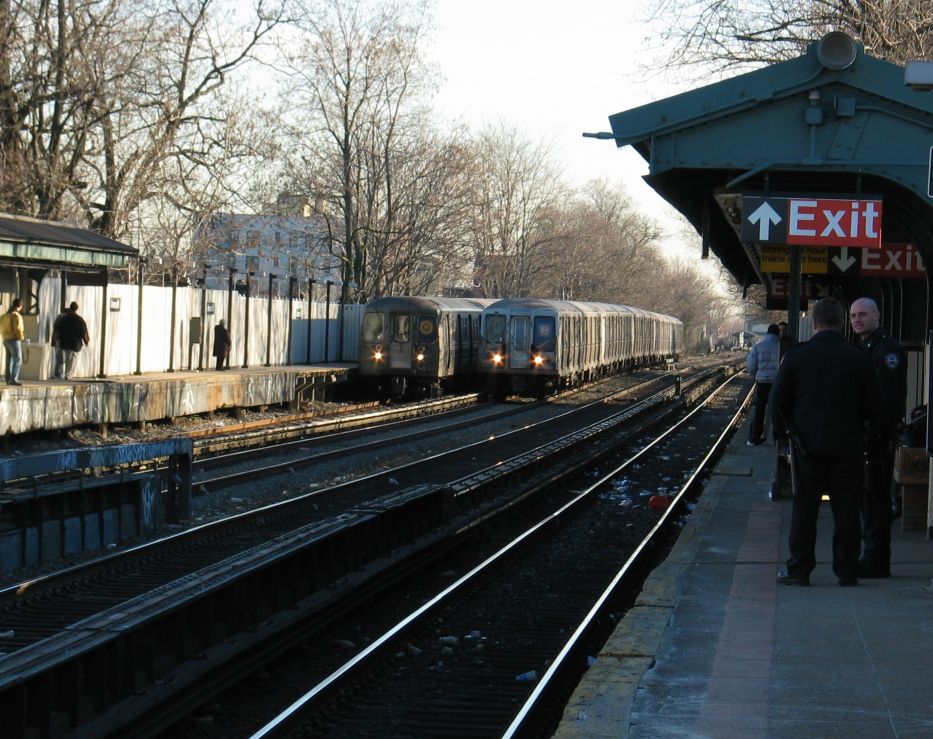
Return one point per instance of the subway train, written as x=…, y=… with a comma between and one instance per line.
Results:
x=534, y=347
x=419, y=347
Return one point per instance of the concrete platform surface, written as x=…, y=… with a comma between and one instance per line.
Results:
x=58, y=404
x=714, y=647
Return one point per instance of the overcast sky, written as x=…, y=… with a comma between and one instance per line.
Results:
x=554, y=70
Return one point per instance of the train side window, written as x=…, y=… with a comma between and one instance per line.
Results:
x=374, y=327
x=401, y=327
x=544, y=338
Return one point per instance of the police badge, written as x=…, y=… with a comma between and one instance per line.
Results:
x=891, y=360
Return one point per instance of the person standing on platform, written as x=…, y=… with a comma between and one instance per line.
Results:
x=890, y=364
x=824, y=393
x=69, y=334
x=221, y=344
x=13, y=331
x=784, y=338
x=762, y=363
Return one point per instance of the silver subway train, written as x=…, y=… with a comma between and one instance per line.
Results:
x=419, y=347
x=534, y=347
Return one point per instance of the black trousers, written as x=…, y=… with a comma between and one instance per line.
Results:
x=757, y=431
x=842, y=478
x=876, y=507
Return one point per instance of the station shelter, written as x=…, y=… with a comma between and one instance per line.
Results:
x=32, y=249
x=812, y=177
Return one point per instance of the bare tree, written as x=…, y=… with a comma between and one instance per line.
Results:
x=518, y=191
x=729, y=34
x=604, y=249
x=355, y=79
x=97, y=96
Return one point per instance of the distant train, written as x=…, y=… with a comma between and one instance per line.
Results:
x=533, y=347
x=419, y=347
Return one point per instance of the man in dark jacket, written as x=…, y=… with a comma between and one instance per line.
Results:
x=824, y=394
x=221, y=344
x=69, y=335
x=890, y=364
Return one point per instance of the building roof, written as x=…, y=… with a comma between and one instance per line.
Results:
x=26, y=240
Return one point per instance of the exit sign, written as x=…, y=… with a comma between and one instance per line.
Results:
x=812, y=221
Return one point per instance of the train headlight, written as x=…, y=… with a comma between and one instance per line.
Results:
x=420, y=356
x=377, y=355
x=539, y=360
x=497, y=359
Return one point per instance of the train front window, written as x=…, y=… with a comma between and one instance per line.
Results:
x=373, y=327
x=401, y=327
x=544, y=334
x=495, y=328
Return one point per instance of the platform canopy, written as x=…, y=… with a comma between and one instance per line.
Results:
x=834, y=124
x=30, y=242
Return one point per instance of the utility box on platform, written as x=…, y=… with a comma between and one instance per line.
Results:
x=912, y=474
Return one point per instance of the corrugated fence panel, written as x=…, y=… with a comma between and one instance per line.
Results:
x=123, y=319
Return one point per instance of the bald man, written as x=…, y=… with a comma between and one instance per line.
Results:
x=890, y=363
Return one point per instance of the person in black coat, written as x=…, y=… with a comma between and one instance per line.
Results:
x=221, y=344
x=824, y=394
x=890, y=364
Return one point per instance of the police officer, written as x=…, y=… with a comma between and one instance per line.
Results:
x=890, y=363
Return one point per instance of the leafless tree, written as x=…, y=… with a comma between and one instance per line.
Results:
x=729, y=34
x=97, y=97
x=355, y=83
x=515, y=226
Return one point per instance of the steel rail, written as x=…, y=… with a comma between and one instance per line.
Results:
x=290, y=465
x=282, y=720
x=559, y=661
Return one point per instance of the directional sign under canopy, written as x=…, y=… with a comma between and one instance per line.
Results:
x=812, y=221
x=891, y=260
x=777, y=259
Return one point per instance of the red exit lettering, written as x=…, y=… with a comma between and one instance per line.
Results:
x=834, y=222
x=893, y=260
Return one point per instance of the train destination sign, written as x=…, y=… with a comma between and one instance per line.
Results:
x=812, y=221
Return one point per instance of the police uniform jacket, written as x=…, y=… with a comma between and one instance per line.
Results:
x=825, y=392
x=890, y=363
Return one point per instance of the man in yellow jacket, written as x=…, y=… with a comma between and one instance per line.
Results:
x=13, y=332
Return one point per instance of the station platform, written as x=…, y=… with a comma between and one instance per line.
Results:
x=714, y=647
x=127, y=399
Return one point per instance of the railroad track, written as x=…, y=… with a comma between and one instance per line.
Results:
x=497, y=652
x=132, y=604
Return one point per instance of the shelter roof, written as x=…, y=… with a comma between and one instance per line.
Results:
x=834, y=121
x=31, y=241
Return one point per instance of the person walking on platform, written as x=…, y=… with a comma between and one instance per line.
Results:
x=762, y=364
x=221, y=344
x=890, y=365
x=69, y=335
x=13, y=332
x=824, y=393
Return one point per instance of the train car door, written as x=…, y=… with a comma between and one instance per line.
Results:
x=519, y=342
x=400, y=344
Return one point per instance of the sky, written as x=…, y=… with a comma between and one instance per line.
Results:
x=554, y=70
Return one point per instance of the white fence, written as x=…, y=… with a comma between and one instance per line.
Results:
x=156, y=352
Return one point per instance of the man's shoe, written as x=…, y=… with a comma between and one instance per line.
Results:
x=848, y=581
x=15, y=382
x=785, y=578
